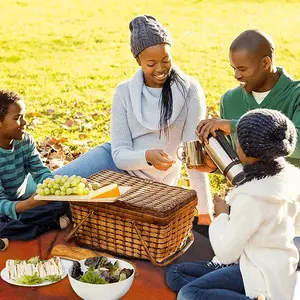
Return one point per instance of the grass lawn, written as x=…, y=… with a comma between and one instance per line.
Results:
x=66, y=56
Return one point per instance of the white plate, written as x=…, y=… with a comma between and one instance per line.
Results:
x=77, y=198
x=65, y=267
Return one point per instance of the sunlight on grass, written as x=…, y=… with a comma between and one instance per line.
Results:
x=69, y=55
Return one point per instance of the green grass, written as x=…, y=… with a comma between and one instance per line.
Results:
x=70, y=54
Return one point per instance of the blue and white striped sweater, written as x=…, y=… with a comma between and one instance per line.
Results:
x=15, y=165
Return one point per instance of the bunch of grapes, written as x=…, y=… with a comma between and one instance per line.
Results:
x=63, y=186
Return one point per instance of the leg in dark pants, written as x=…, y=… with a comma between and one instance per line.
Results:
x=207, y=281
x=33, y=222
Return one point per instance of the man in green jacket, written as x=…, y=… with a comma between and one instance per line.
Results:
x=262, y=85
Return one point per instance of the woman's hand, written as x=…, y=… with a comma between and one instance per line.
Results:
x=159, y=159
x=220, y=206
x=205, y=127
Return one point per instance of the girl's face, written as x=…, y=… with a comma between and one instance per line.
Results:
x=156, y=63
x=14, y=123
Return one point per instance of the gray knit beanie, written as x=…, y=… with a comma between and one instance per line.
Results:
x=266, y=134
x=146, y=31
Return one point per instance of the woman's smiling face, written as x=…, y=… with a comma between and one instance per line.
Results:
x=156, y=63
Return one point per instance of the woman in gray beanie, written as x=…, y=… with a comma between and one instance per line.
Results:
x=152, y=114
x=253, y=240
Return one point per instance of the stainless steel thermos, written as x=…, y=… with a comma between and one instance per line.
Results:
x=226, y=159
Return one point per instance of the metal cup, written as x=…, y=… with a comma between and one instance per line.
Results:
x=193, y=153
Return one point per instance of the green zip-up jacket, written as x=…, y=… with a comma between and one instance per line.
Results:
x=284, y=96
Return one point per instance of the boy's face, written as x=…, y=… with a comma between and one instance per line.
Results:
x=250, y=70
x=14, y=123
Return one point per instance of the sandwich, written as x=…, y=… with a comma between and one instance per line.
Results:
x=19, y=270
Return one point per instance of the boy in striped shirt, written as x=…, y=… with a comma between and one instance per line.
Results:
x=21, y=217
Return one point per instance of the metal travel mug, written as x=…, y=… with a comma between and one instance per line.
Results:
x=193, y=153
x=226, y=159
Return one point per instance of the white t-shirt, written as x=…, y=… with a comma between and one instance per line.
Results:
x=259, y=97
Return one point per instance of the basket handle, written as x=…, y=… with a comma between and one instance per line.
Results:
x=73, y=231
x=169, y=259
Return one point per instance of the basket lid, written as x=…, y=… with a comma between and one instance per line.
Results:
x=146, y=196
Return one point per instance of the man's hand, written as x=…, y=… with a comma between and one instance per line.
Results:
x=205, y=127
x=159, y=159
x=220, y=206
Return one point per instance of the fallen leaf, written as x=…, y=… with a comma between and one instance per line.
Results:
x=65, y=127
x=55, y=163
x=33, y=114
x=82, y=136
x=87, y=125
x=69, y=123
x=77, y=121
x=78, y=114
x=33, y=122
x=50, y=111
x=79, y=143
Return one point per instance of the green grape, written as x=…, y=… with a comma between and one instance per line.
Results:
x=74, y=183
x=56, y=186
x=57, y=178
x=81, y=185
x=95, y=186
x=80, y=191
x=40, y=191
x=67, y=185
x=84, y=180
x=46, y=191
x=69, y=191
x=47, y=180
x=72, y=177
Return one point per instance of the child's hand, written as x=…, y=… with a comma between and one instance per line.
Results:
x=29, y=203
x=159, y=159
x=220, y=205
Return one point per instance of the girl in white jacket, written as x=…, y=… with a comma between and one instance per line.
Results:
x=254, y=242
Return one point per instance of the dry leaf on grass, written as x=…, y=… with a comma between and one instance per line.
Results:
x=50, y=111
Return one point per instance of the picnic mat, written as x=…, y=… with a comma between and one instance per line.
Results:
x=149, y=284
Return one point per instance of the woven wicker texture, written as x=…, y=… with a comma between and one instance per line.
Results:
x=147, y=196
x=111, y=227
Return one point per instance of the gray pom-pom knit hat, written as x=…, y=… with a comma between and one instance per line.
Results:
x=266, y=134
x=146, y=32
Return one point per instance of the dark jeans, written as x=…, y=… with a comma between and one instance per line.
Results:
x=206, y=281
x=33, y=222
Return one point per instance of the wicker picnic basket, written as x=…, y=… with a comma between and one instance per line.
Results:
x=151, y=221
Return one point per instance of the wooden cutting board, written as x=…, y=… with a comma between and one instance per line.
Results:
x=85, y=198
